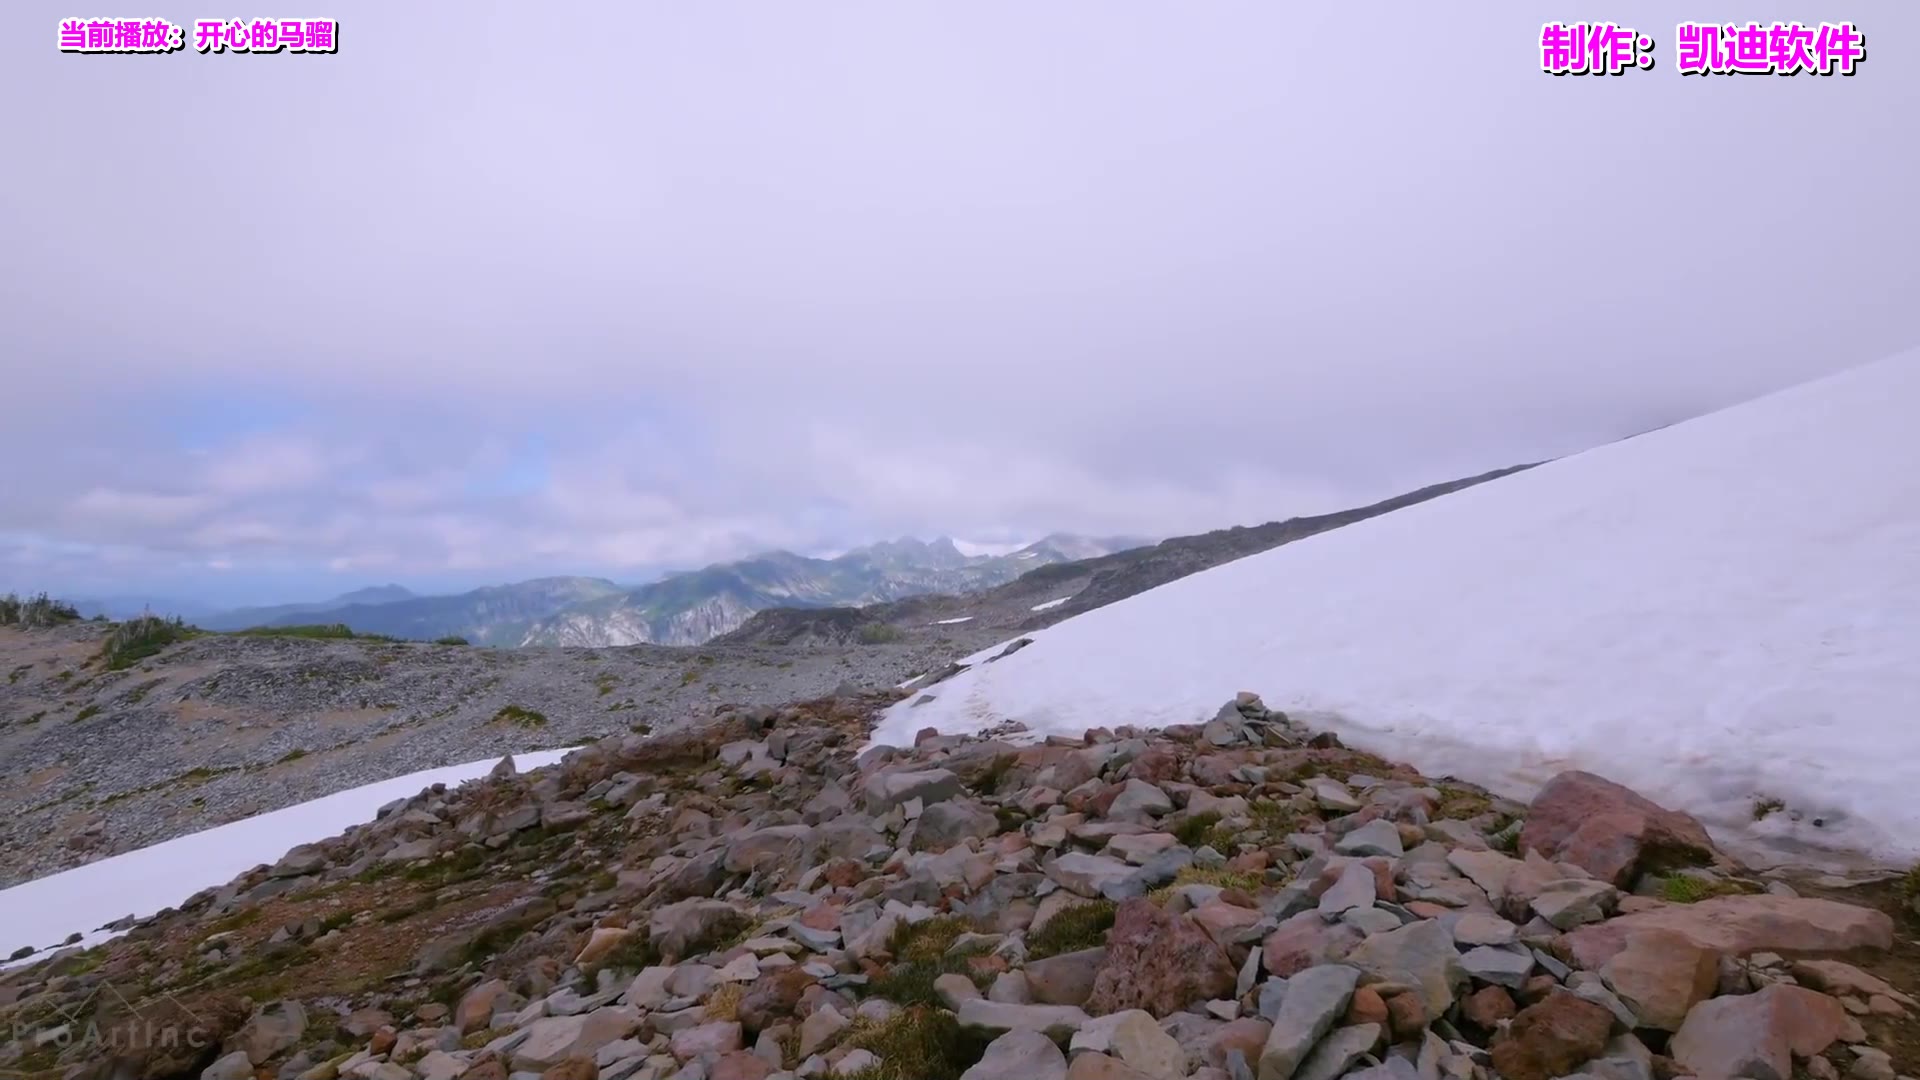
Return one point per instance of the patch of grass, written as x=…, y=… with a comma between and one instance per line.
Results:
x=18, y=673
x=329, y=631
x=1193, y=831
x=1460, y=803
x=1194, y=875
x=1276, y=819
x=921, y=955
x=605, y=683
x=526, y=718
x=140, y=638
x=35, y=718
x=1910, y=885
x=1083, y=926
x=690, y=676
x=1763, y=807
x=876, y=633
x=927, y=942
x=451, y=639
x=1686, y=889
x=724, y=1006
x=83, y=714
x=920, y=1043
x=294, y=754
x=235, y=921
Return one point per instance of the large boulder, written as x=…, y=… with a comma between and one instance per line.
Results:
x=1738, y=925
x=1661, y=975
x=1159, y=962
x=1610, y=831
x=1758, y=1035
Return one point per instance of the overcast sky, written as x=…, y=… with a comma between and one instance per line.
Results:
x=611, y=287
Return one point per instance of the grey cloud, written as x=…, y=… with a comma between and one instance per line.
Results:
x=810, y=274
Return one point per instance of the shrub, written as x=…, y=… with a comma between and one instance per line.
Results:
x=139, y=638
x=35, y=611
x=451, y=639
x=878, y=634
x=1083, y=926
x=1763, y=807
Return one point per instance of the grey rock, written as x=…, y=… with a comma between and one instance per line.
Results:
x=1501, y=967
x=1376, y=837
x=1314, y=999
x=1020, y=1055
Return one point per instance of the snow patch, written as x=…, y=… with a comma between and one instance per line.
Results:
x=1713, y=613
x=1049, y=605
x=43, y=912
x=950, y=622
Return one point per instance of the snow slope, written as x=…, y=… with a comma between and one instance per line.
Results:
x=1715, y=612
x=43, y=912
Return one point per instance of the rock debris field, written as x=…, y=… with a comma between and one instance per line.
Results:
x=758, y=897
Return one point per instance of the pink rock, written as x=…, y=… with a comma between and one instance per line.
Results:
x=740, y=1065
x=1610, y=831
x=1247, y=1035
x=1738, y=925
x=1159, y=962
x=716, y=1039
x=1661, y=975
x=1220, y=920
x=1758, y=1035
x=1305, y=941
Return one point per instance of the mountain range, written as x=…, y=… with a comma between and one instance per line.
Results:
x=686, y=608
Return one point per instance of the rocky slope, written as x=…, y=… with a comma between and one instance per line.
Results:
x=692, y=608
x=1047, y=594
x=757, y=899
x=219, y=727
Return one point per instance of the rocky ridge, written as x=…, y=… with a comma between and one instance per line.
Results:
x=756, y=897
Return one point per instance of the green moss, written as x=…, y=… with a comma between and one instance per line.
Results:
x=526, y=718
x=919, y=1043
x=1686, y=889
x=1083, y=926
